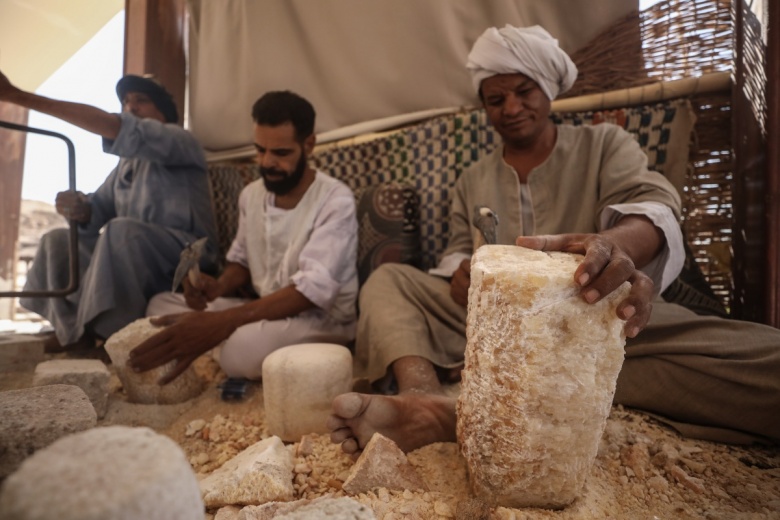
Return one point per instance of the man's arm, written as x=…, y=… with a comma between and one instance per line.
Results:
x=191, y=334
x=91, y=119
x=612, y=257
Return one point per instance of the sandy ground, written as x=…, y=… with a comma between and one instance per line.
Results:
x=643, y=470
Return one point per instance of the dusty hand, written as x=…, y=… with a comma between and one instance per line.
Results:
x=185, y=337
x=73, y=205
x=198, y=295
x=604, y=269
x=459, y=285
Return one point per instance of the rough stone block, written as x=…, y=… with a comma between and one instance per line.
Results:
x=382, y=465
x=33, y=418
x=540, y=374
x=20, y=351
x=143, y=387
x=261, y=473
x=299, y=384
x=91, y=375
x=116, y=472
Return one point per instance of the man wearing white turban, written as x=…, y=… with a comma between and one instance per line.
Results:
x=581, y=189
x=531, y=51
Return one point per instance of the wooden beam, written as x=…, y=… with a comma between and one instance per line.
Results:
x=12, y=146
x=155, y=34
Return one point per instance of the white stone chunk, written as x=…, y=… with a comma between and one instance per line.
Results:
x=33, y=418
x=382, y=465
x=540, y=374
x=91, y=375
x=261, y=473
x=299, y=384
x=143, y=387
x=342, y=508
x=116, y=472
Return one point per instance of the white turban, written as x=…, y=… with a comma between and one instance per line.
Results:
x=528, y=50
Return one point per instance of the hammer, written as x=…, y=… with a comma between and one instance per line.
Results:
x=189, y=263
x=486, y=221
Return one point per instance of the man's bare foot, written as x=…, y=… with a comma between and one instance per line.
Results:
x=410, y=419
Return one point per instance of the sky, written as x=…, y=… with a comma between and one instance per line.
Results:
x=90, y=77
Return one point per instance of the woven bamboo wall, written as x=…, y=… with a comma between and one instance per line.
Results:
x=671, y=40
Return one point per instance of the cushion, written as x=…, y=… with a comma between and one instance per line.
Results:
x=388, y=226
x=226, y=181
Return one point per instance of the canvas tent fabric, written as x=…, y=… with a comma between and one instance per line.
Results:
x=355, y=60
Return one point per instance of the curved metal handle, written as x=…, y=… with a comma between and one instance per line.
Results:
x=73, y=243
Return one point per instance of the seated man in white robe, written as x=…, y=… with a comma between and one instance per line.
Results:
x=296, y=244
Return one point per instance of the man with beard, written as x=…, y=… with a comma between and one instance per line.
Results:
x=296, y=244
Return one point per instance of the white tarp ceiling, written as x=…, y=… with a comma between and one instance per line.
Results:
x=355, y=60
x=38, y=36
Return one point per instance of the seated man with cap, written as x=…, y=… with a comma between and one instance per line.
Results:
x=584, y=189
x=133, y=227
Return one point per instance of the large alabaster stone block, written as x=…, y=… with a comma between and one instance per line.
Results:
x=299, y=384
x=115, y=472
x=540, y=374
x=143, y=387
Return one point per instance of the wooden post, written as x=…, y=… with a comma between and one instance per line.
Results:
x=12, y=145
x=154, y=43
x=749, y=202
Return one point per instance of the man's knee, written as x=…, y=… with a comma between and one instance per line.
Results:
x=166, y=303
x=55, y=240
x=124, y=227
x=234, y=363
x=242, y=354
x=386, y=278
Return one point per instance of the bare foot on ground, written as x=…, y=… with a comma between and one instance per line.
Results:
x=412, y=420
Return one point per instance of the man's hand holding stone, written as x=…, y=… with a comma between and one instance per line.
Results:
x=185, y=337
x=605, y=267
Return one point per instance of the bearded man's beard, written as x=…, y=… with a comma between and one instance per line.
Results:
x=288, y=180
